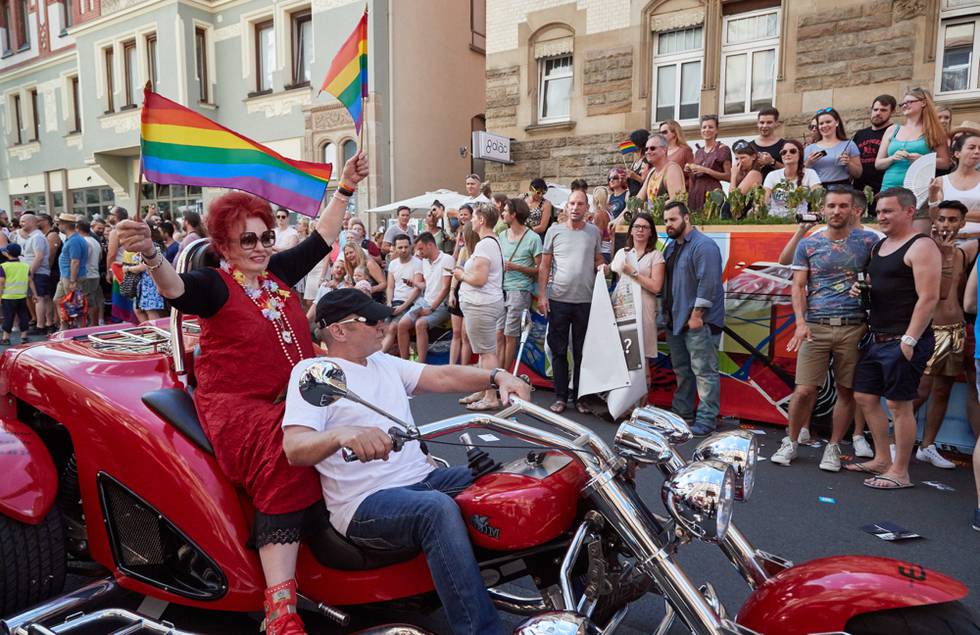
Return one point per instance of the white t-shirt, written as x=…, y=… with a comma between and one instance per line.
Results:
x=406, y=270
x=435, y=276
x=286, y=238
x=493, y=290
x=386, y=382
x=94, y=256
x=777, y=203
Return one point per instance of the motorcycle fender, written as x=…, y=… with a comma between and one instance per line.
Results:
x=30, y=481
x=823, y=594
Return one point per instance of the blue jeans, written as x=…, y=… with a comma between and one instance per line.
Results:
x=694, y=358
x=426, y=517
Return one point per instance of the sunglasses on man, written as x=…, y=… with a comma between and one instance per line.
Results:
x=249, y=240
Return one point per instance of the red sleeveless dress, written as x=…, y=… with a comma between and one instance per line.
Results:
x=240, y=373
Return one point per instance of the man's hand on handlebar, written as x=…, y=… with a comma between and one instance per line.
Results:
x=509, y=385
x=368, y=444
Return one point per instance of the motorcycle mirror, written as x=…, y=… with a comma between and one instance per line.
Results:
x=740, y=450
x=669, y=425
x=323, y=383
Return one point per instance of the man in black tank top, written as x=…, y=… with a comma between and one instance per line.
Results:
x=904, y=274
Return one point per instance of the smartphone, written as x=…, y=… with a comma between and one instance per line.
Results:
x=819, y=154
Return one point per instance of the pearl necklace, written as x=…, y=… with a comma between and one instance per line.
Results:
x=270, y=300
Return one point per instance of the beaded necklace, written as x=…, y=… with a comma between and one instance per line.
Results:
x=270, y=300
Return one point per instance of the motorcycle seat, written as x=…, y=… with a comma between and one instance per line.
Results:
x=333, y=550
x=176, y=407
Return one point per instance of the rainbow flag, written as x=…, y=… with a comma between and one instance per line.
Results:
x=627, y=147
x=181, y=146
x=347, y=78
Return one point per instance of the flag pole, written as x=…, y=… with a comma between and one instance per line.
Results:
x=147, y=87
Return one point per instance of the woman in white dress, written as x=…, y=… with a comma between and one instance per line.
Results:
x=644, y=263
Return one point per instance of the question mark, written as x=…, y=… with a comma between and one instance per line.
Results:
x=628, y=343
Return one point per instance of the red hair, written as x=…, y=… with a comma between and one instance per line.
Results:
x=231, y=210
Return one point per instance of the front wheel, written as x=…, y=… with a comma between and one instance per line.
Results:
x=948, y=618
x=32, y=561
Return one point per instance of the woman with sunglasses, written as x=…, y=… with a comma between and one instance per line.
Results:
x=792, y=175
x=286, y=236
x=712, y=164
x=921, y=134
x=677, y=149
x=251, y=320
x=834, y=157
x=618, y=192
x=542, y=212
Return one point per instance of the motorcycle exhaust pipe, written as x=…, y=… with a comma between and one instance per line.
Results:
x=79, y=600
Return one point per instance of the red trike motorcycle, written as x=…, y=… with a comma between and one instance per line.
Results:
x=105, y=463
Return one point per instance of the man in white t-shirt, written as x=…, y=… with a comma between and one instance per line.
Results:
x=401, y=501
x=401, y=292
x=431, y=310
x=286, y=235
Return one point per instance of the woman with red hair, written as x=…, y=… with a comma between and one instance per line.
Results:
x=249, y=315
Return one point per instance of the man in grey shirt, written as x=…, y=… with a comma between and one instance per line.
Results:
x=694, y=312
x=402, y=227
x=572, y=252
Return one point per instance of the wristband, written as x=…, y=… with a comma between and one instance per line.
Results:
x=493, y=377
x=344, y=191
x=908, y=339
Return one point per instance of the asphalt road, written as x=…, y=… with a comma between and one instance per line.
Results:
x=784, y=516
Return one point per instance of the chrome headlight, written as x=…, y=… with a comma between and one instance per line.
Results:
x=557, y=623
x=670, y=426
x=641, y=443
x=738, y=448
x=700, y=497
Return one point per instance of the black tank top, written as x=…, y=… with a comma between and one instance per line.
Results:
x=893, y=295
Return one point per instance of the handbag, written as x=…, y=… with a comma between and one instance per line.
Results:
x=129, y=284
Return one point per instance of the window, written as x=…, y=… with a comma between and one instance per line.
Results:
x=23, y=30
x=265, y=55
x=35, y=116
x=329, y=155
x=677, y=74
x=174, y=198
x=478, y=25
x=349, y=149
x=302, y=25
x=18, y=121
x=151, y=59
x=65, y=15
x=201, y=60
x=76, y=113
x=129, y=73
x=91, y=201
x=749, y=44
x=5, y=30
x=555, y=91
x=110, y=82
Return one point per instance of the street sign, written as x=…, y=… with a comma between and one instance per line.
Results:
x=491, y=147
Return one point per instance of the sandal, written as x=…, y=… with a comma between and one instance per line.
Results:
x=558, y=407
x=582, y=408
x=861, y=467
x=895, y=483
x=471, y=398
x=483, y=405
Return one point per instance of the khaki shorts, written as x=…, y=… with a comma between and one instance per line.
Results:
x=480, y=322
x=92, y=290
x=813, y=359
x=947, y=357
x=515, y=304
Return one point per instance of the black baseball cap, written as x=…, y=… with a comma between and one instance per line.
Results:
x=339, y=303
x=13, y=250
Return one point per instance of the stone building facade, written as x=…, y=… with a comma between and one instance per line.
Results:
x=612, y=66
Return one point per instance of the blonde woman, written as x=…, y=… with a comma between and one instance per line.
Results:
x=603, y=221
x=677, y=149
x=355, y=257
x=921, y=134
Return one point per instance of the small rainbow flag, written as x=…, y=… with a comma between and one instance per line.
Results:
x=347, y=78
x=180, y=146
x=627, y=147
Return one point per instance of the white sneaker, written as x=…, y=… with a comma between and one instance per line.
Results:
x=862, y=448
x=831, y=458
x=803, y=438
x=786, y=452
x=932, y=455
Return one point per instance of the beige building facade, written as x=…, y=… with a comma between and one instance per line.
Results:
x=568, y=80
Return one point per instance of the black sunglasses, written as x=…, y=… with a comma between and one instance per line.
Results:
x=249, y=240
x=281, y=217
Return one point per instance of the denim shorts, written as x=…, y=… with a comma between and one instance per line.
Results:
x=42, y=282
x=884, y=371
